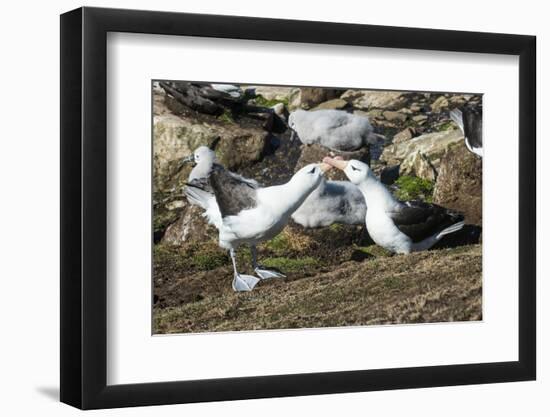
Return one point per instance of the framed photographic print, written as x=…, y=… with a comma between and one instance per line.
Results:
x=257, y=208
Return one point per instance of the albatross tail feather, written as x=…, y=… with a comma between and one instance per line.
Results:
x=456, y=116
x=429, y=242
x=451, y=229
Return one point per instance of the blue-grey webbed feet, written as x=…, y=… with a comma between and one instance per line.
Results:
x=243, y=282
x=267, y=274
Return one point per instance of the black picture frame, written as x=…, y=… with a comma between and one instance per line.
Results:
x=84, y=207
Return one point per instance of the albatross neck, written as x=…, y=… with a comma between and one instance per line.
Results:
x=288, y=197
x=376, y=194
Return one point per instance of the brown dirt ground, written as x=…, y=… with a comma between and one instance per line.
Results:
x=193, y=290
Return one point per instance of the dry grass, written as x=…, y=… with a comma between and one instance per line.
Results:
x=434, y=286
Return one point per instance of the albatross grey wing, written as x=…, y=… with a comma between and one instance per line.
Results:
x=419, y=220
x=233, y=193
x=201, y=183
x=198, y=192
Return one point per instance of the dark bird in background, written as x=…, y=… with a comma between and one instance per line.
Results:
x=469, y=120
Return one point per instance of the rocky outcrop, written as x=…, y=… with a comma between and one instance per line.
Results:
x=431, y=145
x=190, y=225
x=334, y=104
x=274, y=93
x=368, y=100
x=404, y=135
x=459, y=183
x=440, y=104
x=257, y=146
x=418, y=165
x=176, y=137
x=307, y=98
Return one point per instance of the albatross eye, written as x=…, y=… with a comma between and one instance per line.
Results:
x=355, y=169
x=312, y=171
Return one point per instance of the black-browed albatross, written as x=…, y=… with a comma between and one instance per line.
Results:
x=401, y=227
x=254, y=214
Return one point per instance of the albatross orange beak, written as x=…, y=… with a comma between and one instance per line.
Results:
x=324, y=167
x=336, y=162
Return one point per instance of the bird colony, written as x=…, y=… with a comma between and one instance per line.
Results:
x=354, y=146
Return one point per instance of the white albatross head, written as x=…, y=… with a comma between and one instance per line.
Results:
x=203, y=158
x=355, y=170
x=309, y=177
x=204, y=155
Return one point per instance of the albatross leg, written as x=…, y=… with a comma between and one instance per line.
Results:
x=241, y=282
x=260, y=270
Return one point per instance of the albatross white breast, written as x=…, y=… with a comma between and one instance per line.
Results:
x=400, y=227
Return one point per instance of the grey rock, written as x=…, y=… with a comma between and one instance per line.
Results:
x=394, y=116
x=440, y=104
x=420, y=118
x=334, y=104
x=307, y=97
x=418, y=165
x=404, y=135
x=368, y=99
x=431, y=145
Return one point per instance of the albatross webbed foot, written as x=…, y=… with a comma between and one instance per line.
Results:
x=244, y=282
x=266, y=273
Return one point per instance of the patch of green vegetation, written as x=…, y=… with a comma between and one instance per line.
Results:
x=262, y=101
x=195, y=257
x=226, y=116
x=287, y=242
x=393, y=283
x=414, y=188
x=336, y=227
x=209, y=260
x=169, y=256
x=375, y=250
x=290, y=264
x=279, y=243
x=449, y=125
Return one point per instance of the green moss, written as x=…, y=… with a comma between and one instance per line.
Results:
x=290, y=264
x=226, y=117
x=208, y=261
x=262, y=101
x=374, y=250
x=164, y=218
x=169, y=257
x=449, y=125
x=197, y=257
x=414, y=188
x=279, y=243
